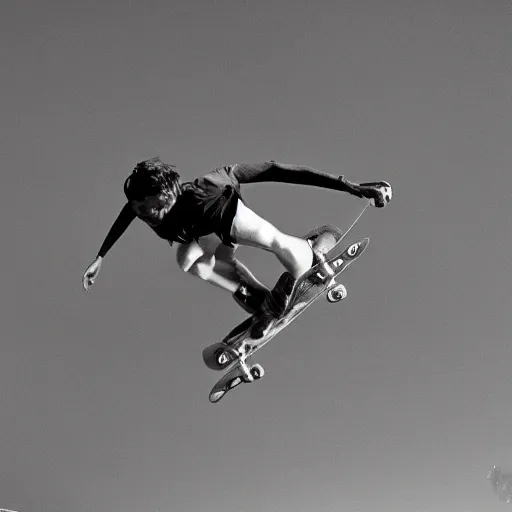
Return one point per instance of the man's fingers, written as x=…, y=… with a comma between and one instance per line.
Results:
x=86, y=282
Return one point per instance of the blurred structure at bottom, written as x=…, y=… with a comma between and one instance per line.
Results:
x=501, y=483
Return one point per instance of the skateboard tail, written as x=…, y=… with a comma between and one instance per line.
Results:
x=233, y=378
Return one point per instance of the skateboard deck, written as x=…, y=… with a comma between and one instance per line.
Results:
x=233, y=352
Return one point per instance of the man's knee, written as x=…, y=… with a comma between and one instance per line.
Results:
x=187, y=255
x=192, y=259
x=203, y=268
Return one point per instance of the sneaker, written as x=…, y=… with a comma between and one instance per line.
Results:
x=273, y=306
x=276, y=302
x=249, y=298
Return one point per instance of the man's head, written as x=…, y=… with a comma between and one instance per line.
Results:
x=152, y=189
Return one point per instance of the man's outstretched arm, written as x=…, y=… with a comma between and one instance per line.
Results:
x=118, y=228
x=124, y=219
x=294, y=174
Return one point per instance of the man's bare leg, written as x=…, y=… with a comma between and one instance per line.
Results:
x=251, y=293
x=230, y=267
x=252, y=230
x=293, y=252
x=214, y=262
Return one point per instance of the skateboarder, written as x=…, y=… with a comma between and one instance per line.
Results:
x=208, y=219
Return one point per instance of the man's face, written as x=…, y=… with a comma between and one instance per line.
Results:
x=152, y=208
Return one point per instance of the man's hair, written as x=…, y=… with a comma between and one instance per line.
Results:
x=152, y=177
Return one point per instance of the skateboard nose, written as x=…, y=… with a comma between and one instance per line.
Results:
x=363, y=244
x=357, y=248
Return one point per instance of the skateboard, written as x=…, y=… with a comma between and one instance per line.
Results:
x=233, y=352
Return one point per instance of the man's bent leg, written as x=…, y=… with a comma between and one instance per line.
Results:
x=294, y=253
x=226, y=273
x=250, y=294
x=252, y=230
x=228, y=265
x=199, y=260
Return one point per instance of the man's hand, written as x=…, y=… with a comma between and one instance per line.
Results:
x=91, y=273
x=378, y=192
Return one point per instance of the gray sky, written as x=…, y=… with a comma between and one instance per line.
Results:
x=397, y=399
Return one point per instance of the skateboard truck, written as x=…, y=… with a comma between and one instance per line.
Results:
x=246, y=371
x=336, y=292
x=230, y=354
x=324, y=269
x=227, y=352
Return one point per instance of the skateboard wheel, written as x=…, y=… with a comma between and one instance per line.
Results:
x=257, y=371
x=221, y=357
x=352, y=250
x=216, y=357
x=339, y=292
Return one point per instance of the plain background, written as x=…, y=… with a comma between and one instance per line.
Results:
x=397, y=399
